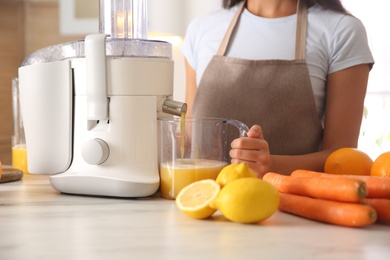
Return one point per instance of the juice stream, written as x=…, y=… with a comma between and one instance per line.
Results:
x=182, y=130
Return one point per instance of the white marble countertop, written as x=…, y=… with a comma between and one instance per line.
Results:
x=37, y=222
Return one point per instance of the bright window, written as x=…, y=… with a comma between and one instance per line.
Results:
x=375, y=131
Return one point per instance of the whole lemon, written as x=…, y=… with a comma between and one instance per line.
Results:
x=233, y=172
x=247, y=200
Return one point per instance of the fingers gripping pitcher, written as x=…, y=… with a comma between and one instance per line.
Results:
x=193, y=149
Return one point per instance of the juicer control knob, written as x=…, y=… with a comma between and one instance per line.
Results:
x=95, y=151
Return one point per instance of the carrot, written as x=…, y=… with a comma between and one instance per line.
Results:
x=377, y=187
x=331, y=212
x=381, y=206
x=341, y=189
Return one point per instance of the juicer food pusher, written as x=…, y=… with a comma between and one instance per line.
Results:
x=90, y=107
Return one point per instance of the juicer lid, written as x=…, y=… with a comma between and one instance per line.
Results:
x=118, y=47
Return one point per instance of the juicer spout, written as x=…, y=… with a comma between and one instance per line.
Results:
x=173, y=107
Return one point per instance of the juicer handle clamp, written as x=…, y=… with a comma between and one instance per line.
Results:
x=96, y=78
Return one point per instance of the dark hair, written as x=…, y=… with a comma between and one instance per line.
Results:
x=334, y=5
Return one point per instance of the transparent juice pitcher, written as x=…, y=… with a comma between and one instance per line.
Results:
x=193, y=149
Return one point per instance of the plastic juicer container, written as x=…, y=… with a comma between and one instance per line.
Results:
x=125, y=24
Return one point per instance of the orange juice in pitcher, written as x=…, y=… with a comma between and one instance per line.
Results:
x=176, y=176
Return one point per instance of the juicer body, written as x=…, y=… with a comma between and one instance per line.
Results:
x=113, y=156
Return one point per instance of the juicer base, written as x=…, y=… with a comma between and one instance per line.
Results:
x=101, y=186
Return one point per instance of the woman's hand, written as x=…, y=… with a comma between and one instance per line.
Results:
x=253, y=150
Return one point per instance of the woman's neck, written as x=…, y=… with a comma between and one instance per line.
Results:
x=272, y=8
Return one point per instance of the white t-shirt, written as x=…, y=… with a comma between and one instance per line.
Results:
x=334, y=41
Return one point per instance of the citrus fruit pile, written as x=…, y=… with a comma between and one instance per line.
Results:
x=355, y=162
x=237, y=193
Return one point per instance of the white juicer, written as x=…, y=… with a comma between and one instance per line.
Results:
x=90, y=107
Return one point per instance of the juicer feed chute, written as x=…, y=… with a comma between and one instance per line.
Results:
x=123, y=19
x=90, y=107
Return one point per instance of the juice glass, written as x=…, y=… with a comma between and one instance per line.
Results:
x=19, y=153
x=193, y=149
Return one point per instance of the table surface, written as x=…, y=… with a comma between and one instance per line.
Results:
x=37, y=222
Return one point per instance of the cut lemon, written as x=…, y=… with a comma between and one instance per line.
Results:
x=193, y=200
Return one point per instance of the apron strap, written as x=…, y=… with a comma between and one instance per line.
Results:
x=222, y=48
x=300, y=41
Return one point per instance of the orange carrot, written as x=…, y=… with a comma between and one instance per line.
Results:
x=381, y=206
x=332, y=212
x=340, y=189
x=377, y=187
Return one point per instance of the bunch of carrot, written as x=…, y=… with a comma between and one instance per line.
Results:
x=347, y=200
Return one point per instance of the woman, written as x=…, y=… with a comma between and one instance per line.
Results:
x=294, y=70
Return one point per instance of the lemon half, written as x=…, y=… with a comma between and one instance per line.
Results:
x=193, y=200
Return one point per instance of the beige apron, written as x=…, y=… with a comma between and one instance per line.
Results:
x=275, y=94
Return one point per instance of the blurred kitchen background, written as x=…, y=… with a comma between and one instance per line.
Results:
x=27, y=25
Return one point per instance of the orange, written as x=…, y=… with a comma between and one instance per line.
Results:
x=348, y=161
x=381, y=165
x=194, y=199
